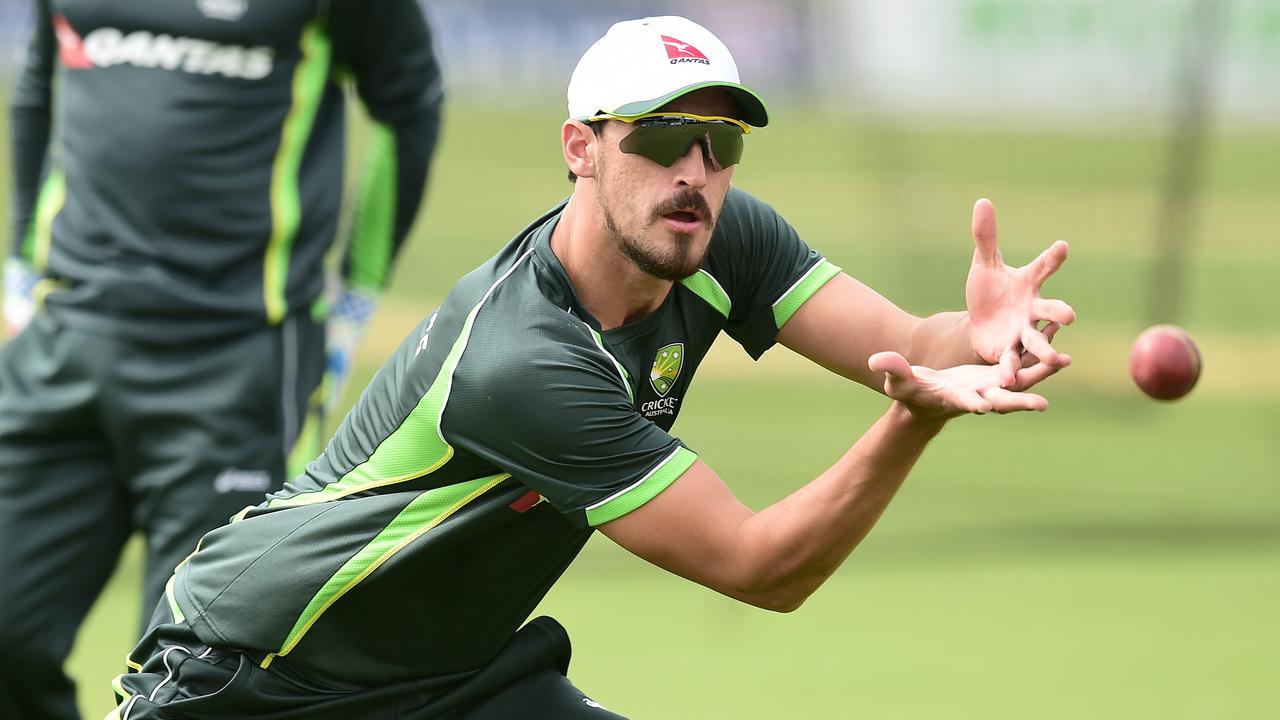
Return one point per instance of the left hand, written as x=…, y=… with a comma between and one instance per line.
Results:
x=349, y=314
x=20, y=280
x=348, y=319
x=957, y=390
x=1004, y=303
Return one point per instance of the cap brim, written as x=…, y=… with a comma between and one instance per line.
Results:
x=750, y=105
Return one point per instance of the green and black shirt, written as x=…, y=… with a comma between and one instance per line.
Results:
x=178, y=165
x=478, y=460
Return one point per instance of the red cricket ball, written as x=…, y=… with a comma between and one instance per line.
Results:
x=1165, y=362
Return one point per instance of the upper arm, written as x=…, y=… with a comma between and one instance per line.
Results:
x=34, y=89
x=388, y=48
x=31, y=123
x=765, y=269
x=691, y=529
x=34, y=84
x=843, y=324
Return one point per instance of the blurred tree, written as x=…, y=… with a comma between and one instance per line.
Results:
x=1176, y=223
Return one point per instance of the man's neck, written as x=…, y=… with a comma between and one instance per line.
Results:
x=608, y=284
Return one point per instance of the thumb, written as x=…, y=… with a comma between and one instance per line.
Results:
x=985, y=250
x=891, y=363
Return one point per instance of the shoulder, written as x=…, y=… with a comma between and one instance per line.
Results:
x=532, y=379
x=525, y=345
x=514, y=338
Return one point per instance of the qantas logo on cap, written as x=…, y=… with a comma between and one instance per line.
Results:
x=683, y=52
x=107, y=46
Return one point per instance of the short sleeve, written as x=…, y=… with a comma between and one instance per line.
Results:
x=765, y=268
x=559, y=418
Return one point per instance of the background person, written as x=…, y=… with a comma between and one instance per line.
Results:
x=178, y=174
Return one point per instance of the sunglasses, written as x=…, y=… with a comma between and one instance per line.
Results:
x=665, y=137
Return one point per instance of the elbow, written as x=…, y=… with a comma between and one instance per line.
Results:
x=782, y=597
x=785, y=604
x=780, y=584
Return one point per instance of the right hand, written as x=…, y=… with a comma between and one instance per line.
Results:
x=958, y=390
x=20, y=281
x=1004, y=302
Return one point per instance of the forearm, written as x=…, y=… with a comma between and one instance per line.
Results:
x=942, y=340
x=390, y=189
x=416, y=140
x=397, y=159
x=389, y=48
x=846, y=322
x=793, y=546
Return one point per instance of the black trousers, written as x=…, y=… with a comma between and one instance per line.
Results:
x=102, y=437
x=184, y=680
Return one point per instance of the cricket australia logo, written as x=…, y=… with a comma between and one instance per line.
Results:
x=666, y=368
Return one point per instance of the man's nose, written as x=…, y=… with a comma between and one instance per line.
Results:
x=692, y=167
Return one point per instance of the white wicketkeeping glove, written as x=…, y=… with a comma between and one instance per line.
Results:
x=349, y=317
x=19, y=294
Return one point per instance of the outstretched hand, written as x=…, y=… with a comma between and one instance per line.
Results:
x=961, y=389
x=1005, y=307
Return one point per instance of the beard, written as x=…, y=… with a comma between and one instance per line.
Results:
x=674, y=261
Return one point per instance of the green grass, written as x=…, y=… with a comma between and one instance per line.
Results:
x=1076, y=564
x=1073, y=564
x=1112, y=558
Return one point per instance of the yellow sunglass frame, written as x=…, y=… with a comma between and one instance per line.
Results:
x=746, y=129
x=715, y=132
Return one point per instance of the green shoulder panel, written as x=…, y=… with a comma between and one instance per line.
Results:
x=644, y=490
x=803, y=289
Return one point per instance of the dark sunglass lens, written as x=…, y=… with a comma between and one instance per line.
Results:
x=665, y=144
x=726, y=143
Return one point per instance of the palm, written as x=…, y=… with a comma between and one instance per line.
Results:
x=957, y=390
x=1004, y=303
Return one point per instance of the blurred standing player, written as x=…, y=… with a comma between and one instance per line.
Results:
x=535, y=406
x=179, y=172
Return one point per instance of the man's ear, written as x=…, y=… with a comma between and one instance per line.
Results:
x=577, y=140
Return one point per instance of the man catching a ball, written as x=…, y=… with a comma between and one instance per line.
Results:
x=534, y=407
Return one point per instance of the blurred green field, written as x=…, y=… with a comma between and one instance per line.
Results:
x=1113, y=558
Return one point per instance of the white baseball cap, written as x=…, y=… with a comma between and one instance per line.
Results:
x=641, y=65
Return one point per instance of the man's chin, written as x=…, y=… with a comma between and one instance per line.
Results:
x=690, y=261
x=690, y=250
x=674, y=270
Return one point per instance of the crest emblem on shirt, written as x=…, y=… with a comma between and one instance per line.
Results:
x=229, y=10
x=666, y=368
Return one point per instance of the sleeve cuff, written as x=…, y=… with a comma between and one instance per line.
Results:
x=643, y=490
x=803, y=289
